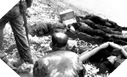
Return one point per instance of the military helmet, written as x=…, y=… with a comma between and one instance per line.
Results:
x=59, y=39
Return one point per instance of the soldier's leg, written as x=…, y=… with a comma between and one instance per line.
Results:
x=21, y=39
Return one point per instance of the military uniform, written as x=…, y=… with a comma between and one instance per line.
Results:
x=15, y=18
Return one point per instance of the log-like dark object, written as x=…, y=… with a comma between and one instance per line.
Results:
x=105, y=29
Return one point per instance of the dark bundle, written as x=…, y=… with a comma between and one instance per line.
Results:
x=43, y=29
x=101, y=29
x=100, y=59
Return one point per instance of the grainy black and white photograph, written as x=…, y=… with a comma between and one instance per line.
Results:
x=64, y=38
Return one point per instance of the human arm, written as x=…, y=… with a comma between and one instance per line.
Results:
x=85, y=56
x=117, y=60
x=114, y=45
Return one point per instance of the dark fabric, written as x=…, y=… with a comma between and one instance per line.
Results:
x=114, y=25
x=118, y=62
x=82, y=27
x=102, y=27
x=84, y=36
x=104, y=22
x=96, y=19
x=90, y=23
x=29, y=3
x=101, y=55
x=119, y=37
x=106, y=66
x=15, y=18
x=43, y=29
x=105, y=29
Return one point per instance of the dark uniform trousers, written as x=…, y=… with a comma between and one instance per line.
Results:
x=15, y=18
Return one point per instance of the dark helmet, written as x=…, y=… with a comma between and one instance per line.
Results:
x=59, y=39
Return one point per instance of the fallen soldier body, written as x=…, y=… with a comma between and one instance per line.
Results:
x=98, y=34
x=108, y=55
